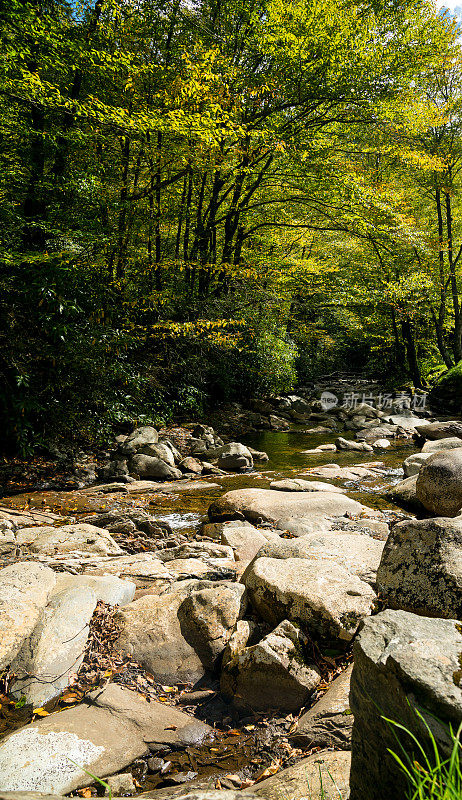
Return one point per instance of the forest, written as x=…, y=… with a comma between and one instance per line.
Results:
x=213, y=200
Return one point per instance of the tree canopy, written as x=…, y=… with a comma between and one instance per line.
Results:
x=213, y=199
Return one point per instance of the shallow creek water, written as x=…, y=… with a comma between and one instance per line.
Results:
x=185, y=508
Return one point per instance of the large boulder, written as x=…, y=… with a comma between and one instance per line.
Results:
x=153, y=467
x=421, y=567
x=55, y=650
x=151, y=633
x=320, y=595
x=275, y=673
x=452, y=443
x=439, y=483
x=67, y=538
x=269, y=505
x=140, y=437
x=107, y=731
x=404, y=493
x=158, y=450
x=413, y=464
x=322, y=776
x=329, y=722
x=406, y=669
x=24, y=591
x=440, y=430
x=356, y=551
x=233, y=457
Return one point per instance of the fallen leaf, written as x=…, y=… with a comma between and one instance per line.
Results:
x=40, y=712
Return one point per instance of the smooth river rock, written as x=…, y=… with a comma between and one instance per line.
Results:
x=321, y=776
x=81, y=536
x=320, y=595
x=439, y=483
x=269, y=505
x=24, y=591
x=103, y=734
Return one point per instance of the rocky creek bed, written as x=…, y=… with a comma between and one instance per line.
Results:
x=196, y=634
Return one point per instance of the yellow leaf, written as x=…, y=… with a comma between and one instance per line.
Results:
x=40, y=712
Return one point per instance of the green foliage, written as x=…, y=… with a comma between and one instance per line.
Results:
x=211, y=201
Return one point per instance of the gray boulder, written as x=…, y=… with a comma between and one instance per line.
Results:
x=320, y=595
x=139, y=437
x=153, y=467
x=413, y=464
x=103, y=734
x=404, y=494
x=208, y=616
x=440, y=430
x=233, y=457
x=329, y=722
x=407, y=669
x=421, y=567
x=24, y=592
x=439, y=483
x=441, y=444
x=269, y=505
x=273, y=673
x=55, y=650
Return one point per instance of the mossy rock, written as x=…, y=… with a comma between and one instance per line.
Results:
x=447, y=392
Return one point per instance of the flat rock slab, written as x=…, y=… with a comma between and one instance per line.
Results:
x=299, y=485
x=24, y=592
x=403, y=664
x=177, y=486
x=329, y=722
x=336, y=472
x=322, y=776
x=105, y=733
x=21, y=519
x=269, y=505
x=65, y=539
x=141, y=568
